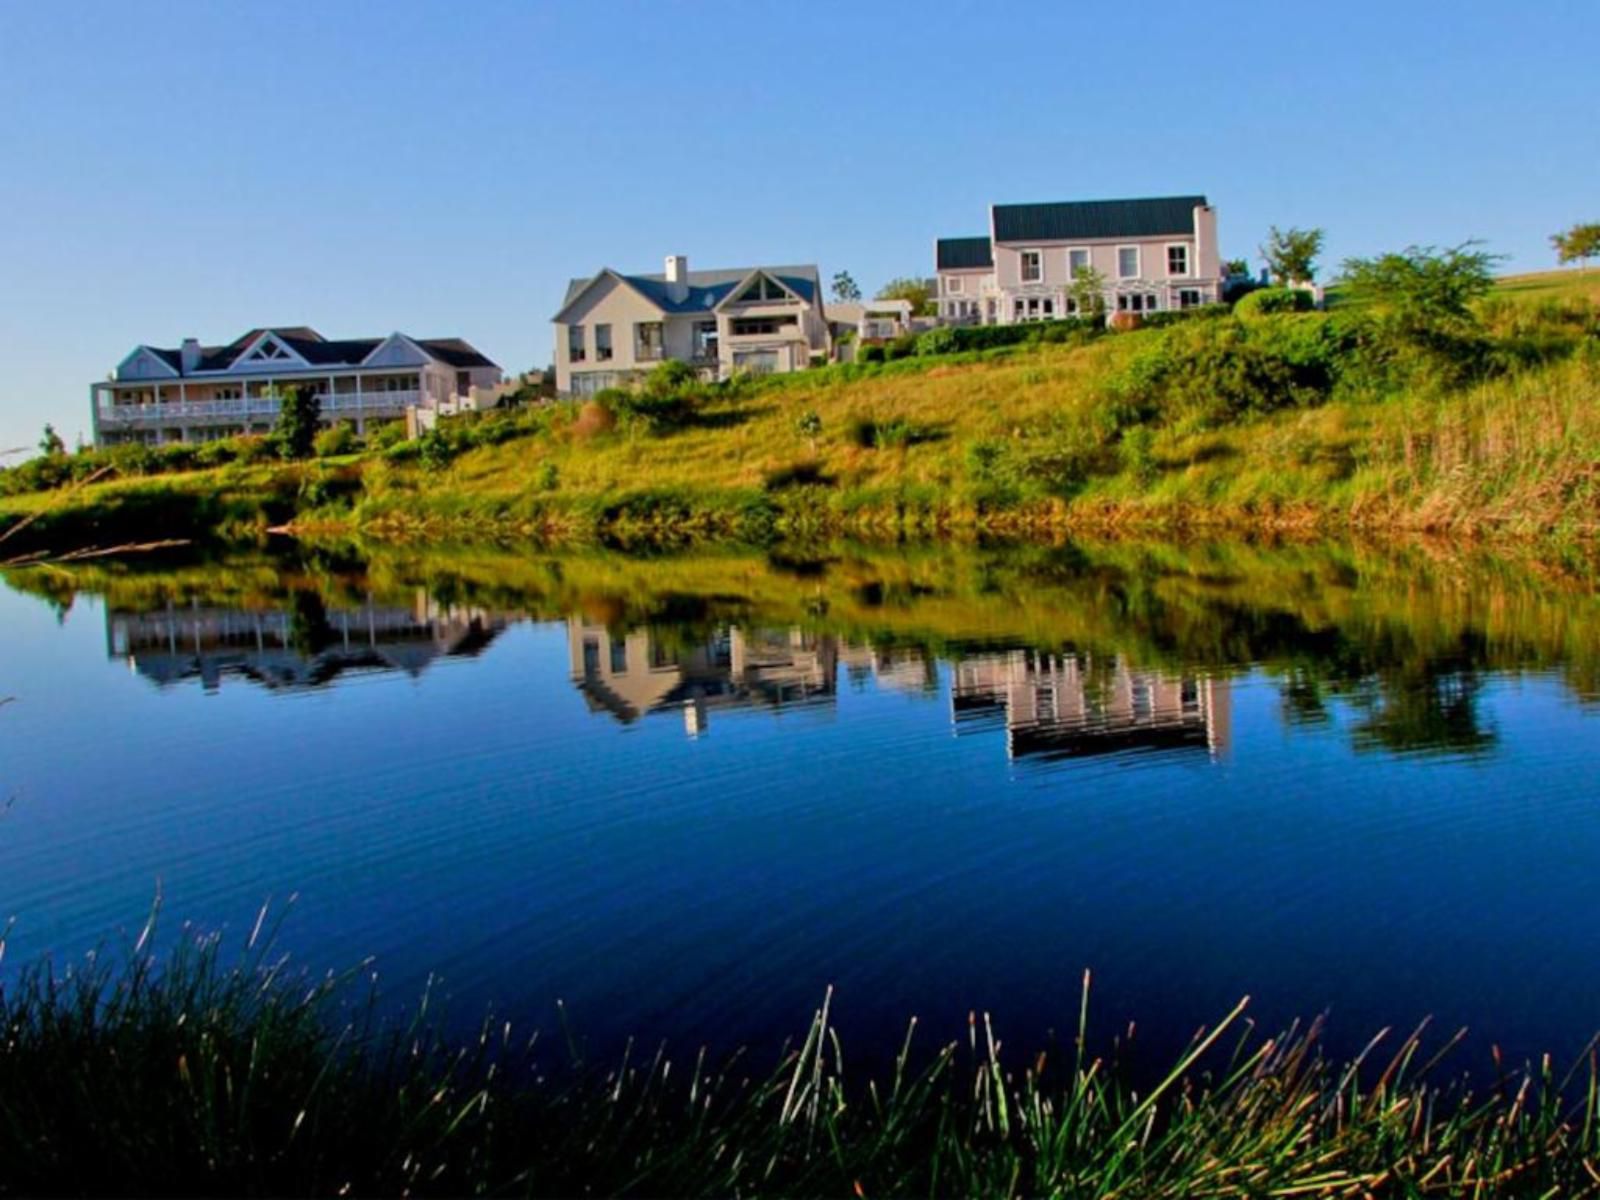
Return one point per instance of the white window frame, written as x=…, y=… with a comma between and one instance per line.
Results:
x=1138, y=263
x=1188, y=261
x=603, y=353
x=1088, y=260
x=952, y=284
x=580, y=351
x=1022, y=266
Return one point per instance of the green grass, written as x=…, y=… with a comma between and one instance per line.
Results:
x=1318, y=421
x=196, y=1073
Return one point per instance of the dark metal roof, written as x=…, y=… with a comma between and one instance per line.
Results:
x=320, y=352
x=454, y=351
x=1089, y=219
x=707, y=289
x=963, y=253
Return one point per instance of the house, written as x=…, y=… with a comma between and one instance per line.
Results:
x=870, y=320
x=964, y=286
x=200, y=393
x=613, y=328
x=1153, y=254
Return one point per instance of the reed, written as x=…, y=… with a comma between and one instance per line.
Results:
x=194, y=1071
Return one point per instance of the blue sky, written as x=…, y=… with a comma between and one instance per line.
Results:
x=191, y=169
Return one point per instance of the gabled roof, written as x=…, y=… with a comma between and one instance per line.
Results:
x=706, y=289
x=963, y=254
x=318, y=351
x=1089, y=219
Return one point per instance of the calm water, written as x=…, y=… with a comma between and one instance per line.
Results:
x=687, y=794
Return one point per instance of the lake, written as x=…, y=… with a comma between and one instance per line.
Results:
x=684, y=794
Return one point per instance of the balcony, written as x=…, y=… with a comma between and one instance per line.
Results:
x=255, y=408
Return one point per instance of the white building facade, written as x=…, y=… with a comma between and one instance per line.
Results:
x=613, y=328
x=200, y=393
x=1151, y=254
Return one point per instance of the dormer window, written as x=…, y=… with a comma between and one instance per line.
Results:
x=763, y=290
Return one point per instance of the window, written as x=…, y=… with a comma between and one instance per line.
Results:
x=1072, y=306
x=397, y=383
x=952, y=284
x=647, y=341
x=587, y=383
x=1018, y=313
x=1127, y=262
x=591, y=657
x=705, y=340
x=1032, y=266
x=763, y=290
x=619, y=656
x=757, y=362
x=1189, y=298
x=575, y=343
x=1136, y=302
x=1177, y=260
x=602, y=343
x=1077, y=260
x=1049, y=308
x=756, y=326
x=227, y=393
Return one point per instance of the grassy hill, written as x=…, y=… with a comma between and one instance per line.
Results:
x=1486, y=422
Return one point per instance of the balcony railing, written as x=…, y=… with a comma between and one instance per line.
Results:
x=345, y=404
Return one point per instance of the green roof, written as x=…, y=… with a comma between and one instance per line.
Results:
x=963, y=253
x=1095, y=219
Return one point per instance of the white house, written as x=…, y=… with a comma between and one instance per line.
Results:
x=200, y=393
x=1153, y=254
x=613, y=328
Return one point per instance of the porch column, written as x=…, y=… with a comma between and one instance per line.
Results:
x=361, y=407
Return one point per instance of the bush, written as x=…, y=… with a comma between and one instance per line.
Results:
x=1172, y=316
x=870, y=354
x=547, y=478
x=216, y=454
x=1266, y=301
x=942, y=340
x=595, y=417
x=337, y=439
x=253, y=448
x=390, y=433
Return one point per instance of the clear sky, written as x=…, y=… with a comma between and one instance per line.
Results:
x=196, y=169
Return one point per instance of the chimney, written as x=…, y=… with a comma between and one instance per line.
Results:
x=190, y=354
x=678, y=277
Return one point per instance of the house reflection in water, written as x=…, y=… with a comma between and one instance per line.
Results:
x=302, y=646
x=629, y=675
x=1068, y=705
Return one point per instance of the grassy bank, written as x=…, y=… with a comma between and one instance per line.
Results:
x=1480, y=419
x=196, y=1074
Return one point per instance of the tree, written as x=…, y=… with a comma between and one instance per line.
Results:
x=1290, y=254
x=918, y=291
x=1088, y=291
x=298, y=413
x=844, y=288
x=1578, y=244
x=1235, y=267
x=1422, y=288
x=50, y=444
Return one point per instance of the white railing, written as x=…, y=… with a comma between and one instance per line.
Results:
x=347, y=404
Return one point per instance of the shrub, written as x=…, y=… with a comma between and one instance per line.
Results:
x=870, y=354
x=339, y=438
x=1265, y=301
x=942, y=340
x=217, y=453
x=547, y=478
x=253, y=448
x=390, y=433
x=435, y=449
x=595, y=418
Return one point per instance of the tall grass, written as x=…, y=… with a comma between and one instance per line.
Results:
x=193, y=1072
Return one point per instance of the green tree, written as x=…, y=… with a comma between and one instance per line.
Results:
x=1578, y=244
x=1422, y=288
x=918, y=291
x=1088, y=291
x=1291, y=254
x=50, y=444
x=1236, y=266
x=298, y=413
x=844, y=288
